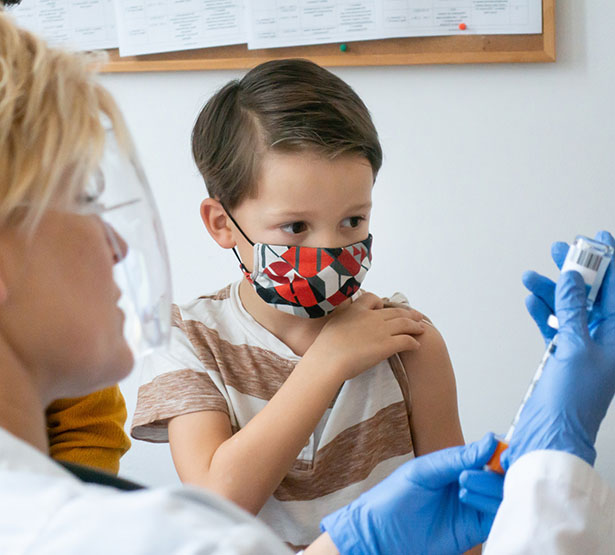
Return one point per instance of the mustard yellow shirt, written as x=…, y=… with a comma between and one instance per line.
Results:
x=89, y=430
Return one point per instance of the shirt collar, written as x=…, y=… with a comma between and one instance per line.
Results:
x=18, y=456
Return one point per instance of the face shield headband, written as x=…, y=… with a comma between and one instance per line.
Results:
x=306, y=281
x=119, y=194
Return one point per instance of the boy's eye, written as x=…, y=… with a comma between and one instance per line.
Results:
x=353, y=221
x=294, y=228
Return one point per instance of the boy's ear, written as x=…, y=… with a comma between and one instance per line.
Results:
x=217, y=222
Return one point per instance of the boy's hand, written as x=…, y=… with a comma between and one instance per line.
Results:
x=363, y=334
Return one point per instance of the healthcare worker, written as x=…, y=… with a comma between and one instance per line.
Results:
x=77, y=220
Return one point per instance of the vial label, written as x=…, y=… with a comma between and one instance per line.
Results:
x=587, y=259
x=588, y=274
x=590, y=258
x=583, y=261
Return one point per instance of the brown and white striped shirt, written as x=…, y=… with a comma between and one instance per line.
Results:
x=221, y=359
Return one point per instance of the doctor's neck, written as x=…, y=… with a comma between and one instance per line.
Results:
x=22, y=411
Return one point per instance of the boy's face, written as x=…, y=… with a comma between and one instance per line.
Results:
x=307, y=200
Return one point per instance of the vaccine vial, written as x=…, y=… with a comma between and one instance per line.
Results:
x=591, y=259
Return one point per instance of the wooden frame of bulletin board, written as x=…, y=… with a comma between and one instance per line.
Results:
x=455, y=49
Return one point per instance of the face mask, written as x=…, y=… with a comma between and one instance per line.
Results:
x=307, y=281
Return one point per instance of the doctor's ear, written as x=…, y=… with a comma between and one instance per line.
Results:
x=217, y=222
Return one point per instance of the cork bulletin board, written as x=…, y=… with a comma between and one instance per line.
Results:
x=457, y=49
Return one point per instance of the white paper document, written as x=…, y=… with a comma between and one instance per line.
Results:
x=149, y=26
x=76, y=24
x=276, y=23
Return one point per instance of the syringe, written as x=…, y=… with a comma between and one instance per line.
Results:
x=591, y=259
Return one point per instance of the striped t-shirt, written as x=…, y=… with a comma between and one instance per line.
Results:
x=221, y=359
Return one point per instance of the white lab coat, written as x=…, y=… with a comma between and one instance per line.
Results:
x=45, y=510
x=554, y=503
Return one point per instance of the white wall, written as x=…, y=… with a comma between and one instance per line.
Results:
x=485, y=166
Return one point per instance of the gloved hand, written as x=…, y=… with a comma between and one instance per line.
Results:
x=416, y=509
x=481, y=489
x=541, y=303
x=578, y=381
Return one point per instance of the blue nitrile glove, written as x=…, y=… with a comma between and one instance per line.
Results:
x=541, y=303
x=416, y=509
x=578, y=381
x=481, y=489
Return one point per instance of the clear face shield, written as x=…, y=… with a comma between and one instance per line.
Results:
x=119, y=194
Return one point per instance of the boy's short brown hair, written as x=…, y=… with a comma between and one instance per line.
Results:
x=286, y=105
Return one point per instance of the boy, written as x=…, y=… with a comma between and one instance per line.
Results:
x=284, y=392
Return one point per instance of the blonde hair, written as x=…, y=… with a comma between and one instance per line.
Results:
x=51, y=133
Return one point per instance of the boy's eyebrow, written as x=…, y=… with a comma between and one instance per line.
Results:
x=304, y=213
x=359, y=207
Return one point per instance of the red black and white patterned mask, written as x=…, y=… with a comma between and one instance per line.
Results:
x=307, y=281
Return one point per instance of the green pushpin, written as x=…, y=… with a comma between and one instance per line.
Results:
x=343, y=47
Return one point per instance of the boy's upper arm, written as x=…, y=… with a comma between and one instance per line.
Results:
x=194, y=438
x=182, y=399
x=434, y=420
x=184, y=379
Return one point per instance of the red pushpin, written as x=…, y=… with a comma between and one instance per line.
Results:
x=462, y=26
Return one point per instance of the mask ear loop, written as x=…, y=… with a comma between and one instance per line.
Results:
x=247, y=274
x=242, y=266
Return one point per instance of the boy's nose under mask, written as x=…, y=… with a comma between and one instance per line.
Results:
x=307, y=281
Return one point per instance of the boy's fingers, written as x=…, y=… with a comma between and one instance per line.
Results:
x=404, y=342
x=408, y=314
x=415, y=314
x=399, y=326
x=370, y=301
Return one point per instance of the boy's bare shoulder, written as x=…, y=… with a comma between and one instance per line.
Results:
x=431, y=358
x=433, y=348
x=433, y=353
x=431, y=341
